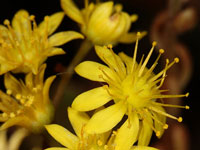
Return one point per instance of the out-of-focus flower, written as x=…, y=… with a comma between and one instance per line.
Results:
x=26, y=103
x=83, y=141
x=134, y=88
x=102, y=23
x=14, y=141
x=24, y=46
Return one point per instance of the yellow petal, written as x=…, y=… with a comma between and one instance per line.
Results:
x=11, y=83
x=78, y=120
x=38, y=80
x=46, y=89
x=3, y=140
x=51, y=23
x=127, y=60
x=127, y=134
x=145, y=132
x=57, y=148
x=22, y=24
x=143, y=148
x=131, y=37
x=162, y=118
x=63, y=136
x=110, y=58
x=61, y=38
x=56, y=51
x=96, y=71
x=21, y=121
x=106, y=119
x=72, y=11
x=91, y=99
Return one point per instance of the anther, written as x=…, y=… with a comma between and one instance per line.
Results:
x=154, y=43
x=165, y=126
x=22, y=101
x=46, y=18
x=138, y=34
x=19, y=111
x=4, y=115
x=9, y=92
x=6, y=22
x=176, y=60
x=105, y=147
x=180, y=119
x=157, y=133
x=161, y=51
x=187, y=107
x=12, y=115
x=187, y=94
x=18, y=96
x=109, y=46
x=32, y=17
x=100, y=143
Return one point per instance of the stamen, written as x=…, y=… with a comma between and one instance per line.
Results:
x=147, y=59
x=12, y=115
x=170, y=96
x=18, y=96
x=9, y=92
x=4, y=115
x=135, y=51
x=99, y=143
x=170, y=105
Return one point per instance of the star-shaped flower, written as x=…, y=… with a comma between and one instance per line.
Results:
x=134, y=89
x=102, y=23
x=26, y=104
x=83, y=141
x=24, y=46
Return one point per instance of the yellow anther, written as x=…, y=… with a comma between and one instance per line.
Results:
x=9, y=92
x=6, y=22
x=19, y=111
x=32, y=17
x=154, y=43
x=134, y=18
x=110, y=46
x=22, y=101
x=105, y=146
x=18, y=96
x=157, y=133
x=4, y=115
x=187, y=107
x=176, y=60
x=12, y=115
x=100, y=143
x=187, y=94
x=46, y=18
x=180, y=119
x=114, y=133
x=161, y=51
x=165, y=126
x=167, y=61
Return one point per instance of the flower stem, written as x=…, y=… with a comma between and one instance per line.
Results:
x=69, y=71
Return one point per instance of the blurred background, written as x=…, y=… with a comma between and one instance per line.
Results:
x=174, y=24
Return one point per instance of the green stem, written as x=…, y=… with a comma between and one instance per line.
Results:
x=65, y=78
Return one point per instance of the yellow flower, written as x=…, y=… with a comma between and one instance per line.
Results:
x=102, y=23
x=26, y=104
x=24, y=46
x=14, y=140
x=134, y=88
x=83, y=141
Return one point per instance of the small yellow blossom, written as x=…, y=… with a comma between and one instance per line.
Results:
x=26, y=103
x=14, y=140
x=83, y=141
x=102, y=23
x=134, y=88
x=24, y=46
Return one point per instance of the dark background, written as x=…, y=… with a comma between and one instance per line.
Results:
x=147, y=11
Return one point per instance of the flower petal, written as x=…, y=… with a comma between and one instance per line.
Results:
x=143, y=148
x=51, y=23
x=127, y=134
x=131, y=37
x=106, y=119
x=63, y=136
x=72, y=11
x=46, y=89
x=57, y=148
x=91, y=99
x=78, y=120
x=56, y=51
x=111, y=59
x=61, y=38
x=97, y=72
x=3, y=141
x=145, y=132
